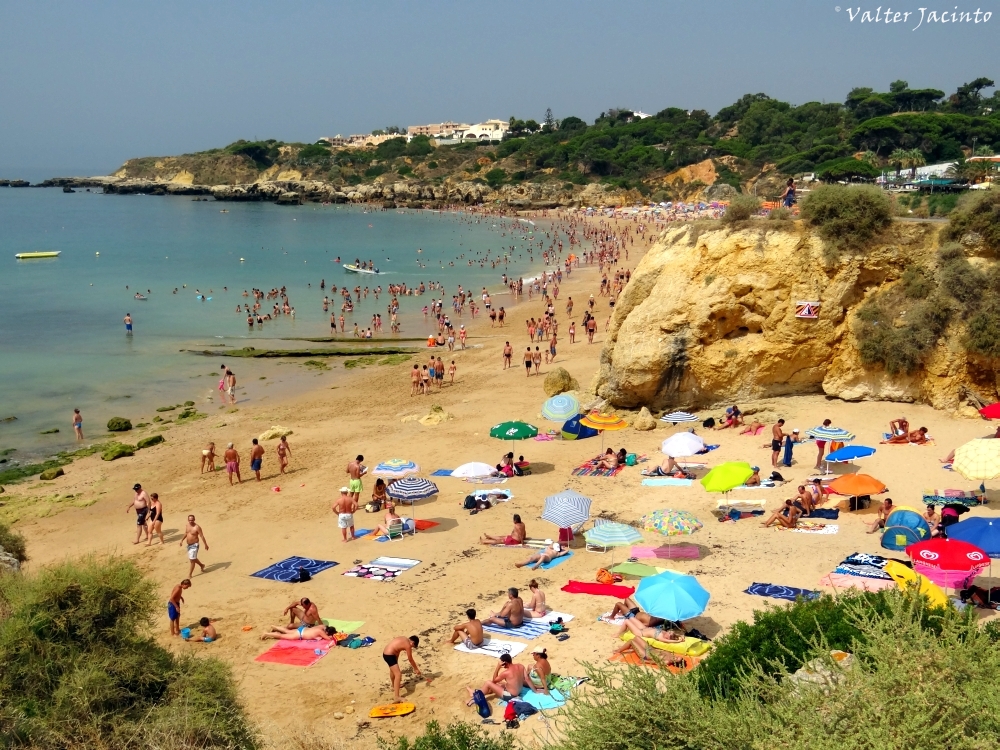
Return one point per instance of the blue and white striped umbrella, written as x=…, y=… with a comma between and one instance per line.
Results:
x=678, y=416
x=411, y=488
x=612, y=535
x=560, y=408
x=395, y=467
x=566, y=508
x=831, y=433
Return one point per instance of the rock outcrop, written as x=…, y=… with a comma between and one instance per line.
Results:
x=8, y=563
x=557, y=381
x=711, y=316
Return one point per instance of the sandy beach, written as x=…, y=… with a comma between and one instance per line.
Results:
x=370, y=412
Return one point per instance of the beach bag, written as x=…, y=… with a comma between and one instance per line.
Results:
x=469, y=503
x=482, y=705
x=373, y=507
x=709, y=423
x=861, y=502
x=631, y=459
x=304, y=575
x=776, y=477
x=607, y=577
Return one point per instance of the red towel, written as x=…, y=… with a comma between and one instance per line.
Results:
x=424, y=525
x=598, y=589
x=295, y=653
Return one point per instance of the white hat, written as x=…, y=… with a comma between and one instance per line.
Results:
x=556, y=547
x=548, y=541
x=539, y=650
x=344, y=489
x=796, y=429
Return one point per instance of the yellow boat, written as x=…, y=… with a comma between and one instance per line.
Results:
x=39, y=254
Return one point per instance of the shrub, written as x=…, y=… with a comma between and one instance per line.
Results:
x=375, y=171
x=963, y=282
x=432, y=165
x=780, y=214
x=13, y=543
x=419, y=146
x=119, y=424
x=741, y=208
x=917, y=282
x=495, y=177
x=978, y=214
x=460, y=736
x=982, y=333
x=847, y=217
x=900, y=348
x=405, y=170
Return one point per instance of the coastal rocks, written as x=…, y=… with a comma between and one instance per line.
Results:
x=146, y=442
x=8, y=563
x=711, y=316
x=436, y=416
x=118, y=450
x=644, y=421
x=559, y=381
x=274, y=433
x=49, y=474
x=14, y=183
x=119, y=424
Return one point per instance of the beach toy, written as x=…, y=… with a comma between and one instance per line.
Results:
x=247, y=628
x=185, y=633
x=392, y=709
x=276, y=489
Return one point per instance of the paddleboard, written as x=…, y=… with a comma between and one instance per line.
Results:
x=354, y=269
x=392, y=709
x=39, y=254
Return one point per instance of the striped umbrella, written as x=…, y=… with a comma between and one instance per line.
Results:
x=604, y=422
x=566, y=509
x=612, y=535
x=560, y=408
x=831, y=433
x=978, y=459
x=411, y=488
x=395, y=467
x=678, y=416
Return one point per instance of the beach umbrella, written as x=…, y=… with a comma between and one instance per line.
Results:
x=948, y=562
x=903, y=528
x=727, y=476
x=513, y=431
x=831, y=434
x=678, y=416
x=573, y=430
x=982, y=532
x=473, y=469
x=849, y=453
x=603, y=423
x=670, y=522
x=566, y=509
x=395, y=467
x=991, y=412
x=857, y=484
x=682, y=444
x=978, y=459
x=560, y=408
x=411, y=488
x=904, y=577
x=612, y=535
x=672, y=596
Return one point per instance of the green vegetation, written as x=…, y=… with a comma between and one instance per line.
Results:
x=146, y=442
x=81, y=670
x=316, y=364
x=114, y=451
x=49, y=474
x=980, y=215
x=294, y=353
x=13, y=543
x=495, y=177
x=454, y=737
x=53, y=431
x=847, y=217
x=18, y=473
x=741, y=208
x=898, y=336
x=119, y=424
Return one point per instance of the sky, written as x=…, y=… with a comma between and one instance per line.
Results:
x=85, y=86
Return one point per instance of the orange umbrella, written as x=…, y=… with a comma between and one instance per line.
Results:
x=599, y=421
x=856, y=484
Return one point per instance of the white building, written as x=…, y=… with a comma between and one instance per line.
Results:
x=490, y=130
x=437, y=129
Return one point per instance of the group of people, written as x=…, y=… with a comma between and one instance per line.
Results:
x=232, y=459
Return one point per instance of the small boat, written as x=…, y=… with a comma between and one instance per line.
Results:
x=355, y=269
x=38, y=254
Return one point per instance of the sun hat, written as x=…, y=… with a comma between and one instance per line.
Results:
x=344, y=489
x=539, y=650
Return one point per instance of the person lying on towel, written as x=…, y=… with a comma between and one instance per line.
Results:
x=641, y=648
x=301, y=633
x=629, y=609
x=547, y=555
x=918, y=437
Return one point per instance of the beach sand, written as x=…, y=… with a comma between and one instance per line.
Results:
x=248, y=527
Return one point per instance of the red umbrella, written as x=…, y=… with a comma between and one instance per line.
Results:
x=992, y=411
x=948, y=554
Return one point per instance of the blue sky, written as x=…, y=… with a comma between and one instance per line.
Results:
x=84, y=86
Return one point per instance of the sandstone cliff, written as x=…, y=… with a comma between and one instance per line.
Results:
x=710, y=317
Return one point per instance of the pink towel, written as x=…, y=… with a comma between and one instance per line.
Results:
x=667, y=552
x=844, y=581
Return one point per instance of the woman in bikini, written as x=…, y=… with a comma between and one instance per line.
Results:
x=390, y=516
x=538, y=675
x=208, y=457
x=536, y=605
x=155, y=519
x=379, y=495
x=301, y=633
x=515, y=537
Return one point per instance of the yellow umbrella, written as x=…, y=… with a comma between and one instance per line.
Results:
x=978, y=459
x=603, y=423
x=904, y=576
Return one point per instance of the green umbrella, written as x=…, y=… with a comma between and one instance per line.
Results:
x=513, y=431
x=725, y=477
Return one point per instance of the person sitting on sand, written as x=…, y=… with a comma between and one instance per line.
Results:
x=379, y=495
x=208, y=632
x=536, y=605
x=754, y=479
x=754, y=428
x=515, y=538
x=803, y=500
x=507, y=681
x=883, y=514
x=933, y=519
x=470, y=632
x=951, y=456
x=512, y=613
x=733, y=418
x=303, y=610
x=667, y=468
x=208, y=457
x=918, y=437
x=547, y=555
x=819, y=493
x=787, y=516
x=899, y=427
x=301, y=633
x=538, y=675
x=609, y=460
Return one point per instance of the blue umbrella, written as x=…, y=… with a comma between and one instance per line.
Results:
x=672, y=596
x=560, y=408
x=831, y=433
x=411, y=488
x=982, y=532
x=849, y=453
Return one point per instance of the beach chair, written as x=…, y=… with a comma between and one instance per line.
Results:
x=396, y=529
x=590, y=547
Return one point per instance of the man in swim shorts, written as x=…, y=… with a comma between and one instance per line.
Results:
x=128, y=322
x=471, y=632
x=344, y=506
x=390, y=654
x=355, y=470
x=232, y=459
x=174, y=606
x=777, y=436
x=194, y=537
x=141, y=505
x=256, y=458
x=512, y=614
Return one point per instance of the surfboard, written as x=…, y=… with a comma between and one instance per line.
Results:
x=38, y=254
x=392, y=709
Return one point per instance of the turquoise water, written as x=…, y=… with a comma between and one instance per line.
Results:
x=62, y=340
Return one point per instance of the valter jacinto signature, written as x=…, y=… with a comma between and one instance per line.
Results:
x=922, y=16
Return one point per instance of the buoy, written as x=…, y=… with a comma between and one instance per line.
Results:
x=96, y=253
x=241, y=260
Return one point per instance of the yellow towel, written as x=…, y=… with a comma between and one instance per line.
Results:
x=689, y=647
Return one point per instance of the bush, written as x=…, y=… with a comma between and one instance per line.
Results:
x=780, y=214
x=13, y=543
x=119, y=424
x=900, y=348
x=495, y=177
x=419, y=146
x=80, y=669
x=405, y=170
x=460, y=736
x=432, y=165
x=741, y=208
x=978, y=214
x=963, y=282
x=847, y=217
x=917, y=283
x=375, y=171
x=982, y=333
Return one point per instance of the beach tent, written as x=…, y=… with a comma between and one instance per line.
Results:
x=573, y=430
x=903, y=528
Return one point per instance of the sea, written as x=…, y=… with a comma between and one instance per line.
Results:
x=63, y=344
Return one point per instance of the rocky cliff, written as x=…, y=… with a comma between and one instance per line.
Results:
x=710, y=316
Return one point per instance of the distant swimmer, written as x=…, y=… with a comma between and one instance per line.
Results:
x=128, y=323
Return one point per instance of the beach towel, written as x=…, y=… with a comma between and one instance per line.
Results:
x=541, y=701
x=667, y=482
x=494, y=496
x=493, y=648
x=707, y=449
x=531, y=629
x=691, y=465
x=609, y=620
x=528, y=543
x=423, y=525
x=667, y=552
x=844, y=581
x=965, y=497
x=358, y=533
x=598, y=589
x=296, y=653
x=442, y=473
x=344, y=626
x=764, y=485
x=486, y=480
x=631, y=658
x=689, y=646
x=287, y=571
x=588, y=469
x=805, y=527
x=723, y=507
x=862, y=571
x=382, y=568
x=831, y=514
x=774, y=591
x=557, y=561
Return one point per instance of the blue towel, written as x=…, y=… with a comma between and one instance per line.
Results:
x=707, y=449
x=287, y=571
x=442, y=473
x=552, y=563
x=530, y=630
x=830, y=513
x=775, y=591
x=666, y=482
x=541, y=701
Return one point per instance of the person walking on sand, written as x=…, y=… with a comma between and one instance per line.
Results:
x=821, y=444
x=208, y=457
x=777, y=436
x=231, y=386
x=462, y=335
x=550, y=356
x=527, y=361
x=508, y=352
x=415, y=380
x=77, y=424
x=140, y=503
x=355, y=470
x=155, y=520
x=344, y=506
x=194, y=537
x=284, y=450
x=174, y=606
x=536, y=358
x=391, y=654
x=232, y=459
x=452, y=369
x=256, y=458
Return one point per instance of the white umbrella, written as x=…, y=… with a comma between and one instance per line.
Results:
x=682, y=444
x=473, y=469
